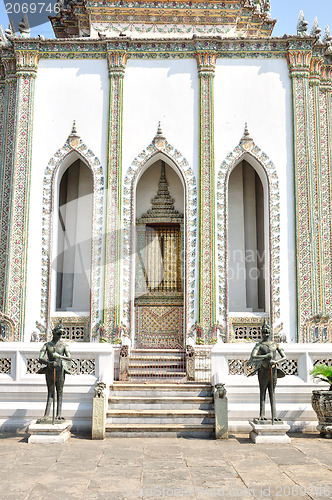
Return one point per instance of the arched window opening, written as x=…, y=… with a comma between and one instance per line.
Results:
x=246, y=240
x=74, y=239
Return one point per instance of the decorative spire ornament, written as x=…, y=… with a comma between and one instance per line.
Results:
x=315, y=30
x=302, y=25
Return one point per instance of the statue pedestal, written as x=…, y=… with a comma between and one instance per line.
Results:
x=266, y=433
x=46, y=433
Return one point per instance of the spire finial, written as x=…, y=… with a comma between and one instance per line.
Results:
x=302, y=25
x=315, y=30
x=73, y=132
x=159, y=138
x=246, y=141
x=246, y=134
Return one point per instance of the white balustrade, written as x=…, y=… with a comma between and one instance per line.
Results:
x=23, y=392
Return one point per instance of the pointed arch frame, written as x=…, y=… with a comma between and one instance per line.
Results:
x=247, y=149
x=157, y=146
x=73, y=144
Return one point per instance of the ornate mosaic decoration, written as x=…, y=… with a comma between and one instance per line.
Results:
x=246, y=149
x=7, y=152
x=73, y=144
x=113, y=282
x=159, y=145
x=313, y=185
x=206, y=213
x=7, y=328
x=166, y=320
x=26, y=71
x=234, y=17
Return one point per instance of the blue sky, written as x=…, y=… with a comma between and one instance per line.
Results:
x=285, y=11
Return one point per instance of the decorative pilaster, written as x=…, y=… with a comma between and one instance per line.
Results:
x=113, y=283
x=7, y=155
x=26, y=71
x=206, y=218
x=306, y=249
x=325, y=97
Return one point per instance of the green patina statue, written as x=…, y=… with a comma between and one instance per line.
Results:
x=264, y=359
x=57, y=358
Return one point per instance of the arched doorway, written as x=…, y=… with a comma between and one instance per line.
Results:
x=159, y=274
x=74, y=238
x=247, y=241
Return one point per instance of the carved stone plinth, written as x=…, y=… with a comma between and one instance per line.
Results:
x=266, y=433
x=46, y=433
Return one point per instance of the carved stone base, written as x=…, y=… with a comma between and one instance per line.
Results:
x=266, y=433
x=46, y=433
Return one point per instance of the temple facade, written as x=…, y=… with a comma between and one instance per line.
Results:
x=166, y=175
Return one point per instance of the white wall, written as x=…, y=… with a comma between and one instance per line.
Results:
x=65, y=91
x=258, y=92
x=168, y=94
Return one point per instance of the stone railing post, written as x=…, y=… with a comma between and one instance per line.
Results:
x=99, y=411
x=221, y=412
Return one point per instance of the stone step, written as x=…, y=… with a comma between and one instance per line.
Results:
x=161, y=389
x=129, y=402
x=160, y=430
x=160, y=413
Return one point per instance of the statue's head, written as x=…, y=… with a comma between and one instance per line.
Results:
x=266, y=330
x=58, y=330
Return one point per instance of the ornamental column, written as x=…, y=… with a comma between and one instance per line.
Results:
x=7, y=154
x=112, y=285
x=304, y=178
x=26, y=71
x=325, y=101
x=206, y=212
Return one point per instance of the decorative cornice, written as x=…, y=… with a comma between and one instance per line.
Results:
x=231, y=17
x=27, y=62
x=116, y=63
x=299, y=62
x=326, y=80
x=206, y=63
x=315, y=70
x=9, y=64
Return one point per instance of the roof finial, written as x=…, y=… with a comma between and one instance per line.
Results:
x=24, y=27
x=73, y=132
x=159, y=138
x=302, y=25
x=315, y=30
x=159, y=131
x=246, y=141
x=246, y=134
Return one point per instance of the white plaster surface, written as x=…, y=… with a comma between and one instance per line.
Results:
x=48, y=433
x=166, y=91
x=66, y=90
x=258, y=92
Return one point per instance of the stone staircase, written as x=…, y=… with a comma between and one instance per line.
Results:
x=156, y=364
x=160, y=409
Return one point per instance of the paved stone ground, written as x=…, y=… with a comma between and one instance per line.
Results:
x=165, y=468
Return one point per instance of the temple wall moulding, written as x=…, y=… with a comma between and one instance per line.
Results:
x=159, y=148
x=247, y=149
x=299, y=61
x=7, y=328
x=73, y=144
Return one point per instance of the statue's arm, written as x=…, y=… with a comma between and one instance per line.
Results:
x=282, y=356
x=256, y=357
x=43, y=356
x=66, y=356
